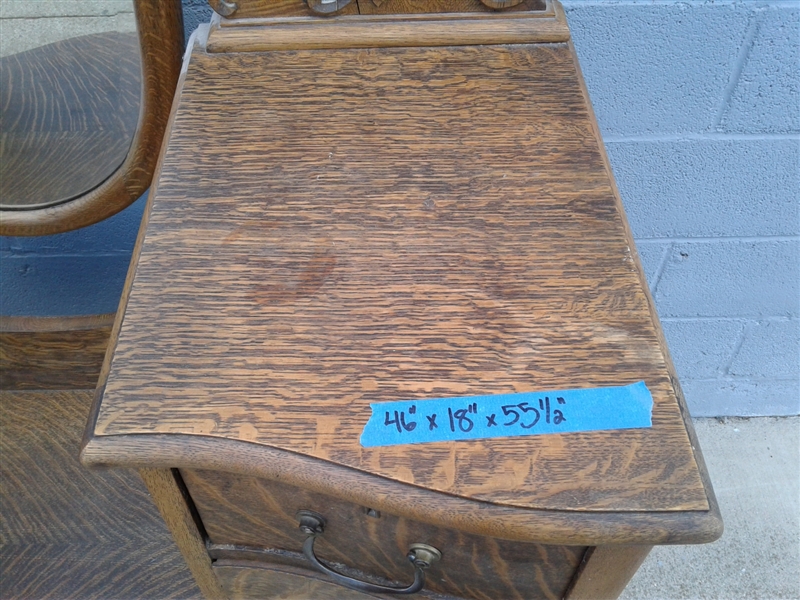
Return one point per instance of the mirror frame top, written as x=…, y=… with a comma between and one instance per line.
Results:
x=160, y=32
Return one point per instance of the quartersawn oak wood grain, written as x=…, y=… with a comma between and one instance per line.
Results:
x=69, y=112
x=249, y=9
x=172, y=501
x=52, y=352
x=381, y=31
x=243, y=580
x=246, y=511
x=482, y=518
x=66, y=532
x=428, y=241
x=144, y=569
x=160, y=28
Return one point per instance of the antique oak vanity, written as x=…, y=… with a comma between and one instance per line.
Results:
x=372, y=201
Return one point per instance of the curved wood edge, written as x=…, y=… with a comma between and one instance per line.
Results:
x=687, y=421
x=243, y=575
x=392, y=31
x=137, y=250
x=27, y=324
x=482, y=518
x=160, y=26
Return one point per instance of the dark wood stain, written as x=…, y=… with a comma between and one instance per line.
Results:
x=417, y=503
x=379, y=221
x=382, y=30
x=102, y=183
x=172, y=499
x=249, y=9
x=66, y=532
x=605, y=571
x=368, y=7
x=304, y=278
x=69, y=112
x=249, y=579
x=52, y=352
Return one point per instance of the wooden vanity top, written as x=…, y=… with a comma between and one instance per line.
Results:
x=340, y=227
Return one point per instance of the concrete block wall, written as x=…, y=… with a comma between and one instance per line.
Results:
x=698, y=104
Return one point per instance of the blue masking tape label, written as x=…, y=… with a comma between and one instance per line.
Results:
x=528, y=413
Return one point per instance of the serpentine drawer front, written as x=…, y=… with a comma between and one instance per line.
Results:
x=248, y=519
x=412, y=209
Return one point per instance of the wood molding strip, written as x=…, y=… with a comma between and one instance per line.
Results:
x=389, y=32
x=29, y=324
x=582, y=528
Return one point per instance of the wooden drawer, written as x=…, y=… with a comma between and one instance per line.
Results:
x=242, y=579
x=250, y=518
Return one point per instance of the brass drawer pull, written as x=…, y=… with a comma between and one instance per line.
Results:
x=421, y=556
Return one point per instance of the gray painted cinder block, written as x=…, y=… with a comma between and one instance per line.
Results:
x=731, y=279
x=766, y=96
x=657, y=68
x=709, y=188
x=702, y=349
x=742, y=397
x=698, y=102
x=770, y=349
